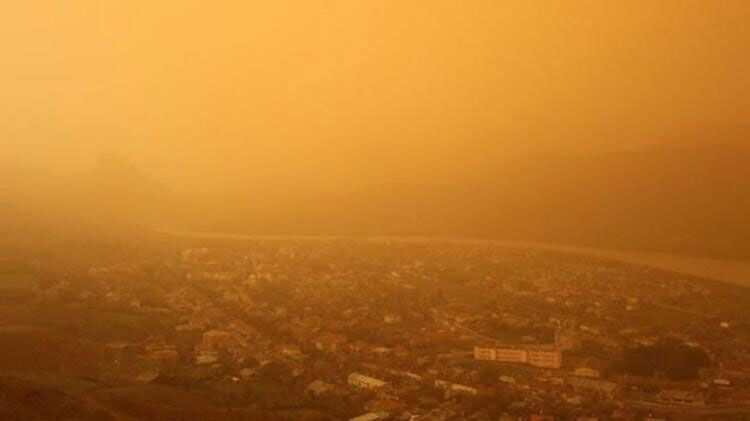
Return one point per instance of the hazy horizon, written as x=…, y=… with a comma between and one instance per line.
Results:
x=618, y=125
x=375, y=210
x=345, y=95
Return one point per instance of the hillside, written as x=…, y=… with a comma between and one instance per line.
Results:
x=692, y=200
x=645, y=200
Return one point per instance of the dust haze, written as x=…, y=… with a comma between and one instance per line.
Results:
x=351, y=209
x=272, y=107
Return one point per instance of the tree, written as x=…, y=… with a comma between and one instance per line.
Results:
x=674, y=360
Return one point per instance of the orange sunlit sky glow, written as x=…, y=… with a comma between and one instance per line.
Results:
x=333, y=95
x=374, y=209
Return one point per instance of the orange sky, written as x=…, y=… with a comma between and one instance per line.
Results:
x=334, y=95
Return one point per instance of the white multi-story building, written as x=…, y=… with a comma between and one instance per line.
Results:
x=545, y=358
x=365, y=382
x=537, y=357
x=484, y=354
x=587, y=372
x=455, y=387
x=512, y=355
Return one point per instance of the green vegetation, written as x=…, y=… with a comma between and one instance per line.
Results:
x=673, y=360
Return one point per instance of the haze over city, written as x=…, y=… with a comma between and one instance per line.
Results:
x=406, y=210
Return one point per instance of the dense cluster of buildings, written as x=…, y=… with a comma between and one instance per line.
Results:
x=388, y=330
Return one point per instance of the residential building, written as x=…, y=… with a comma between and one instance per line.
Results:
x=682, y=397
x=365, y=382
x=537, y=357
x=545, y=358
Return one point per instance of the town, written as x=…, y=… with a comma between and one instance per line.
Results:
x=380, y=329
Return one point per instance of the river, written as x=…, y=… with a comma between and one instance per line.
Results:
x=730, y=271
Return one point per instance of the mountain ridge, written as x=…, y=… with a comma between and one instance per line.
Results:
x=651, y=200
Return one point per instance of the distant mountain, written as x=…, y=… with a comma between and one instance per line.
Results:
x=112, y=194
x=692, y=200
x=117, y=191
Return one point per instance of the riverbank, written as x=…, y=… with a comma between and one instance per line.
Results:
x=729, y=271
